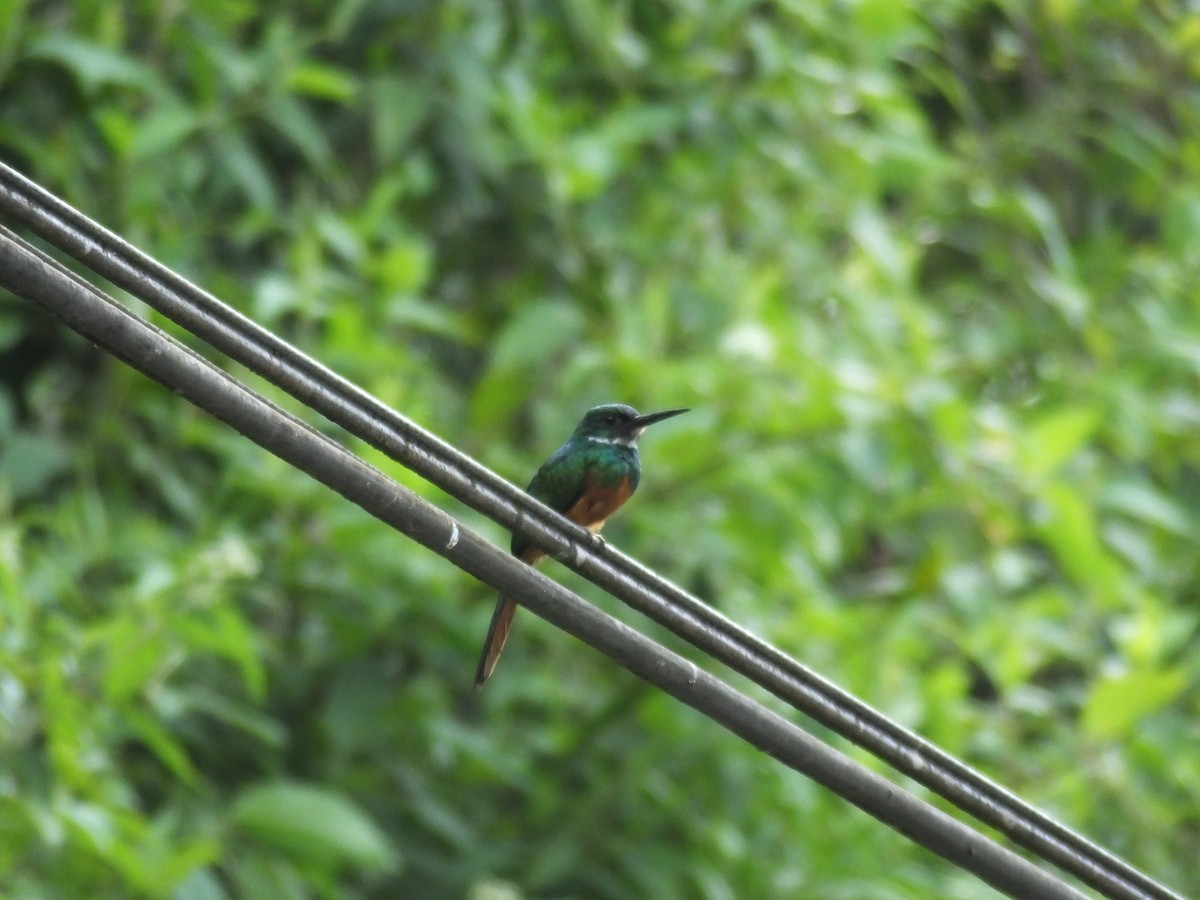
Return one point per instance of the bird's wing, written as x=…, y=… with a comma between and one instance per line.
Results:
x=559, y=483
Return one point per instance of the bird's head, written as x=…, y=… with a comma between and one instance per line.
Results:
x=617, y=423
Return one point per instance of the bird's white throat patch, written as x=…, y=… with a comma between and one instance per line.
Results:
x=630, y=441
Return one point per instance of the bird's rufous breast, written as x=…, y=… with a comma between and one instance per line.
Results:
x=599, y=501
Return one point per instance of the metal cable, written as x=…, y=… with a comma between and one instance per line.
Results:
x=93, y=314
x=475, y=485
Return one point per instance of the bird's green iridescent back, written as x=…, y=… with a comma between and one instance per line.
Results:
x=562, y=478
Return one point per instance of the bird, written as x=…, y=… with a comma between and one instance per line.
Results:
x=587, y=479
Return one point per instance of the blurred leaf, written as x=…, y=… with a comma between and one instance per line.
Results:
x=313, y=825
x=29, y=462
x=1070, y=529
x=521, y=354
x=1054, y=437
x=164, y=129
x=245, y=169
x=92, y=65
x=295, y=122
x=12, y=328
x=1142, y=501
x=323, y=81
x=881, y=247
x=230, y=712
x=133, y=659
x=200, y=884
x=162, y=744
x=1117, y=703
x=405, y=267
x=399, y=107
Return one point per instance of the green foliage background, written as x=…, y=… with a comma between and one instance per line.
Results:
x=928, y=273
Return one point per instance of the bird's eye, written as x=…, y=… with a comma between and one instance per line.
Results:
x=610, y=419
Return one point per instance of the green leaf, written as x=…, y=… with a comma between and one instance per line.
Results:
x=399, y=106
x=163, y=130
x=29, y=461
x=91, y=65
x=133, y=659
x=233, y=713
x=1117, y=703
x=312, y=824
x=323, y=81
x=1054, y=438
x=1069, y=528
x=244, y=167
x=882, y=247
x=405, y=266
x=296, y=122
x=162, y=744
x=523, y=353
x=1144, y=502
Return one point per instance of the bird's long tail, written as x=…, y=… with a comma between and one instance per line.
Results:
x=497, y=634
x=502, y=619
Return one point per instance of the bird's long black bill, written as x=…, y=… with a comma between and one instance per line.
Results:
x=651, y=418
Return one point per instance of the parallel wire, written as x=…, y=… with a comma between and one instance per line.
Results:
x=84, y=308
x=459, y=475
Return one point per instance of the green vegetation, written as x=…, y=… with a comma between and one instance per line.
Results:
x=927, y=272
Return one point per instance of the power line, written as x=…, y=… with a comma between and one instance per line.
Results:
x=666, y=603
x=100, y=318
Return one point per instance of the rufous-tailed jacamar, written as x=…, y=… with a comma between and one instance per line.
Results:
x=587, y=480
